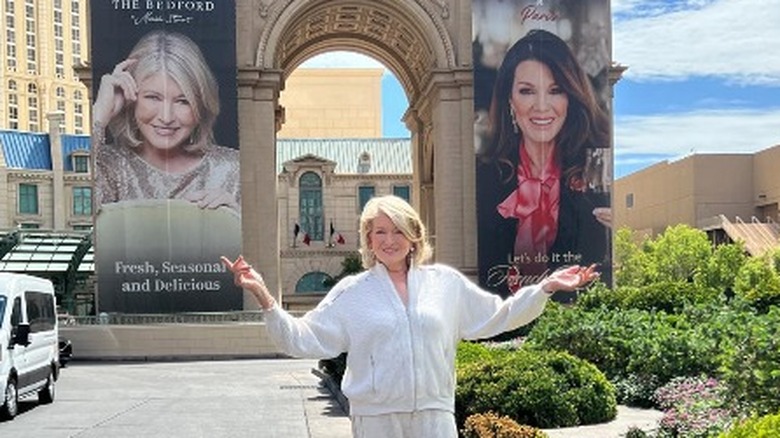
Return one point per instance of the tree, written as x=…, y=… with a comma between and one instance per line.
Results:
x=630, y=259
x=678, y=252
x=720, y=271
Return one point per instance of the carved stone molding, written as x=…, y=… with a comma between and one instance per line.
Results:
x=445, y=8
x=408, y=36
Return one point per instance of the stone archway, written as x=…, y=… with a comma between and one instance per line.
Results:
x=426, y=45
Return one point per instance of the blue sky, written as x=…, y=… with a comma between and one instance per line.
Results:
x=703, y=77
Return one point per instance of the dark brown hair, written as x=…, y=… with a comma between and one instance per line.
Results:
x=586, y=125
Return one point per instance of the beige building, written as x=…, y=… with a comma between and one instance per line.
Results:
x=43, y=41
x=332, y=103
x=732, y=196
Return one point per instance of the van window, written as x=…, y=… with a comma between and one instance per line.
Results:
x=40, y=311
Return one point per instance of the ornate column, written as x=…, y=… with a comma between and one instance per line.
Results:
x=258, y=97
x=450, y=100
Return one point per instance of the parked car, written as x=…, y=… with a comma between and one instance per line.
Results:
x=29, y=338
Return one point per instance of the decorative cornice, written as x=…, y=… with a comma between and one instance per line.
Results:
x=300, y=252
x=26, y=175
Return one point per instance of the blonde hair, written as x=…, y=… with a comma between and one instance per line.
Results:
x=405, y=218
x=177, y=56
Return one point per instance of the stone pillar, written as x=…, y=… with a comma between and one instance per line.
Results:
x=413, y=124
x=258, y=97
x=59, y=203
x=450, y=97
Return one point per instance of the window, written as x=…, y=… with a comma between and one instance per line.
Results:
x=13, y=106
x=32, y=107
x=29, y=26
x=313, y=282
x=75, y=31
x=59, y=41
x=82, y=201
x=28, y=199
x=310, y=206
x=81, y=163
x=29, y=226
x=402, y=192
x=629, y=200
x=60, y=99
x=78, y=112
x=364, y=194
x=364, y=162
x=10, y=35
x=41, y=314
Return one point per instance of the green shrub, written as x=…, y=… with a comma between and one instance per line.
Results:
x=635, y=432
x=669, y=346
x=635, y=349
x=470, y=352
x=634, y=390
x=756, y=427
x=758, y=283
x=750, y=361
x=666, y=296
x=541, y=389
x=490, y=425
x=720, y=271
x=601, y=337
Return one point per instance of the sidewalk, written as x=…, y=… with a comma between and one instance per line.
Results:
x=268, y=398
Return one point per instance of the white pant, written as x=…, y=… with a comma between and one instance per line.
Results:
x=418, y=424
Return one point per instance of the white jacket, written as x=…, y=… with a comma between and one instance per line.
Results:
x=401, y=358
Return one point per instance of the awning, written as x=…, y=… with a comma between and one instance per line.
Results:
x=46, y=251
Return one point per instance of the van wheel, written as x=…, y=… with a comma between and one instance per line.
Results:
x=46, y=394
x=10, y=406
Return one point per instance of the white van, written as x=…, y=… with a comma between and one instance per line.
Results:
x=29, y=361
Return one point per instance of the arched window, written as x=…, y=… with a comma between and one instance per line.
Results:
x=313, y=282
x=310, y=205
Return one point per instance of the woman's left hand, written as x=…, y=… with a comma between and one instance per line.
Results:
x=569, y=279
x=212, y=199
x=604, y=216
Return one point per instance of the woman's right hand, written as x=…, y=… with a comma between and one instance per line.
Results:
x=116, y=90
x=245, y=276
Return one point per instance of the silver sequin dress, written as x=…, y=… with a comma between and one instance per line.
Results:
x=121, y=175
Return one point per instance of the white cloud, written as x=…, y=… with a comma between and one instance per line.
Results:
x=700, y=131
x=341, y=59
x=734, y=39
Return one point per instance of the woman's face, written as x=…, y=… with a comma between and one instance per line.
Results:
x=539, y=104
x=388, y=243
x=163, y=114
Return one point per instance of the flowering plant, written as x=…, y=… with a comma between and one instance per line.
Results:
x=693, y=407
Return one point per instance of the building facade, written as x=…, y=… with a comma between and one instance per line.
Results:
x=714, y=192
x=44, y=40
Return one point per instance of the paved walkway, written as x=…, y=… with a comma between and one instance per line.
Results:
x=242, y=398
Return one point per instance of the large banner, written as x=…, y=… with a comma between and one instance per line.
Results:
x=543, y=138
x=165, y=142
